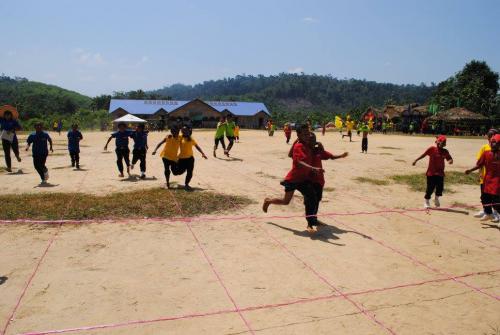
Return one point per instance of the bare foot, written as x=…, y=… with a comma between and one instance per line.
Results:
x=121, y=175
x=265, y=205
x=310, y=229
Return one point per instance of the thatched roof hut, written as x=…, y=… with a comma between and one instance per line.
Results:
x=398, y=112
x=458, y=114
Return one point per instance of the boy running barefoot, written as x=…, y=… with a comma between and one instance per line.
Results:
x=435, y=171
x=74, y=138
x=170, y=152
x=219, y=135
x=230, y=125
x=490, y=161
x=140, y=137
x=39, y=140
x=298, y=178
x=319, y=154
x=122, y=150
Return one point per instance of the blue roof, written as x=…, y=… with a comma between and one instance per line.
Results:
x=147, y=107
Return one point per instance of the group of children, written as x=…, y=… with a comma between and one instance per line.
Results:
x=226, y=127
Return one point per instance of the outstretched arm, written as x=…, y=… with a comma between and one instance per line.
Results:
x=158, y=146
x=50, y=144
x=106, y=146
x=344, y=155
x=477, y=167
x=419, y=158
x=201, y=151
x=310, y=166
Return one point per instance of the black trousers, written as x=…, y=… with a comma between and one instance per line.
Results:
x=318, y=191
x=75, y=157
x=308, y=191
x=139, y=155
x=434, y=183
x=122, y=154
x=6, y=149
x=492, y=199
x=39, y=164
x=364, y=144
x=484, y=200
x=169, y=166
x=221, y=141
x=184, y=165
x=231, y=142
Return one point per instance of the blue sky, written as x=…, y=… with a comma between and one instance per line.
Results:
x=101, y=46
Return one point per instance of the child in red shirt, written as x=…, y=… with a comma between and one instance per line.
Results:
x=490, y=160
x=298, y=178
x=435, y=171
x=319, y=154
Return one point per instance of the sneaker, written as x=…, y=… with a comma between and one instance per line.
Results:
x=143, y=175
x=479, y=214
x=46, y=175
x=487, y=217
x=427, y=204
x=436, y=202
x=496, y=219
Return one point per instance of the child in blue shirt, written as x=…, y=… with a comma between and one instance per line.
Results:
x=39, y=140
x=122, y=151
x=140, y=137
x=8, y=127
x=74, y=138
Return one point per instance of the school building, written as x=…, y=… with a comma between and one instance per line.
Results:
x=202, y=114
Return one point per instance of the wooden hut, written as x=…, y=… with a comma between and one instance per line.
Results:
x=459, y=121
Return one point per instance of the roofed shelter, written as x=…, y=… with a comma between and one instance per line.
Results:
x=460, y=119
x=202, y=114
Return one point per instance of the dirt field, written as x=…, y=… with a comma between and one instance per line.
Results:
x=375, y=273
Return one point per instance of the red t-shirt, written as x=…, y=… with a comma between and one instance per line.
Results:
x=436, y=161
x=318, y=177
x=492, y=177
x=299, y=173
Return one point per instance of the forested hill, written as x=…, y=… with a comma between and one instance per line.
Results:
x=38, y=100
x=301, y=93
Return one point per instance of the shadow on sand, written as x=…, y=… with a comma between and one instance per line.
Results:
x=325, y=233
x=46, y=185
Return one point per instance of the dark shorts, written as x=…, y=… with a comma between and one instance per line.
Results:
x=230, y=138
x=289, y=187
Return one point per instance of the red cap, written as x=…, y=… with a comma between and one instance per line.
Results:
x=496, y=138
x=441, y=138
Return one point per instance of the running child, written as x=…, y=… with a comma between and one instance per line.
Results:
x=140, y=137
x=349, y=126
x=319, y=154
x=74, y=138
x=365, y=129
x=122, y=151
x=186, y=158
x=170, y=152
x=487, y=213
x=490, y=161
x=219, y=135
x=298, y=178
x=435, y=171
x=40, y=152
x=288, y=132
x=237, y=133
x=230, y=125
x=8, y=127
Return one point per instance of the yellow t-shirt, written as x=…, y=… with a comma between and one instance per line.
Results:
x=484, y=148
x=171, y=148
x=186, y=148
x=349, y=125
x=237, y=131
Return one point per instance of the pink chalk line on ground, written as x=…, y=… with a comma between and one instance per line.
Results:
x=253, y=308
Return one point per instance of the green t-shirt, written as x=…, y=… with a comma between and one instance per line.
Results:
x=221, y=129
x=230, y=125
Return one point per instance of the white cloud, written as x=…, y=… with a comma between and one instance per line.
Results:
x=309, y=19
x=296, y=70
x=88, y=58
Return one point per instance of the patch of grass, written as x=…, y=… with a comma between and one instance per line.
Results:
x=156, y=202
x=400, y=160
x=386, y=154
x=418, y=181
x=379, y=182
x=390, y=148
x=329, y=189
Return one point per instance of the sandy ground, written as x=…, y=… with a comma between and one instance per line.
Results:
x=407, y=273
